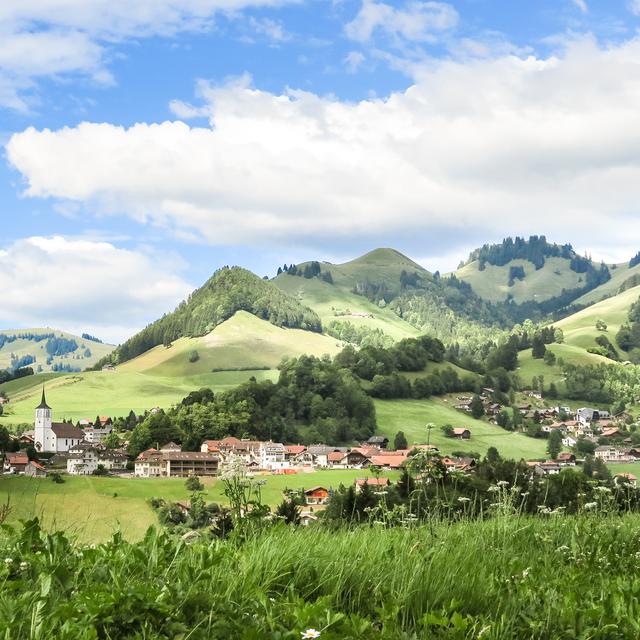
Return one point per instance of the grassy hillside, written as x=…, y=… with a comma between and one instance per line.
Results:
x=93, y=508
x=333, y=302
x=538, y=285
x=79, y=358
x=619, y=275
x=412, y=416
x=579, y=328
x=242, y=342
x=163, y=376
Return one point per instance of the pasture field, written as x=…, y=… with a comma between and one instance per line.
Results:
x=610, y=288
x=412, y=416
x=112, y=393
x=92, y=507
x=538, y=284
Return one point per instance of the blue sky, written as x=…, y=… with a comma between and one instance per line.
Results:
x=148, y=145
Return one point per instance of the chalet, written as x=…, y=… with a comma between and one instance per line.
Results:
x=556, y=426
x=378, y=441
x=458, y=464
x=548, y=468
x=625, y=478
x=353, y=459
x=320, y=453
x=523, y=408
x=462, y=433
x=108, y=367
x=533, y=394
x=307, y=518
x=35, y=470
x=388, y=461
x=569, y=441
x=608, y=453
x=611, y=433
x=566, y=459
x=85, y=458
x=316, y=495
x=634, y=453
x=335, y=458
x=375, y=483
x=292, y=452
x=15, y=462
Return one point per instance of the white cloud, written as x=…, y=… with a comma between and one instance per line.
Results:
x=82, y=285
x=417, y=21
x=490, y=147
x=56, y=37
x=582, y=5
x=634, y=7
x=353, y=61
x=273, y=30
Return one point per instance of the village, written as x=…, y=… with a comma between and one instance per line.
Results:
x=81, y=450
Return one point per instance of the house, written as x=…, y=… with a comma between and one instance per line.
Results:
x=292, y=452
x=307, y=518
x=533, y=394
x=461, y=433
x=554, y=426
x=375, y=483
x=378, y=441
x=108, y=367
x=85, y=458
x=334, y=459
x=625, y=478
x=272, y=456
x=388, y=461
x=320, y=453
x=231, y=448
x=586, y=414
x=171, y=447
x=566, y=459
x=355, y=459
x=35, y=470
x=611, y=433
x=149, y=464
x=316, y=495
x=458, y=464
x=15, y=462
x=548, y=468
x=54, y=437
x=569, y=441
x=96, y=435
x=612, y=454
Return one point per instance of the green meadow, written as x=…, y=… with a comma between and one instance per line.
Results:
x=92, y=508
x=412, y=416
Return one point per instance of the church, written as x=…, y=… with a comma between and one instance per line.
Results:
x=53, y=437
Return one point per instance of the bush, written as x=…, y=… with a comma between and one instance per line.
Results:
x=56, y=477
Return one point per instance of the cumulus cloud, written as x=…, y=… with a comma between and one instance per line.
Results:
x=416, y=21
x=582, y=5
x=83, y=285
x=496, y=146
x=634, y=7
x=56, y=37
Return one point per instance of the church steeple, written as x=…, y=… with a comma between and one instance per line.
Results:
x=43, y=403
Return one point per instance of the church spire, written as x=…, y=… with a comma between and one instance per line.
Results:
x=43, y=403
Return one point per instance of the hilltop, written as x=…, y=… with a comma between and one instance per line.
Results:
x=229, y=290
x=532, y=270
x=47, y=350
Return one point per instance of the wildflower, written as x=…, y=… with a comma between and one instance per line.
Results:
x=590, y=505
x=463, y=499
x=311, y=633
x=502, y=483
x=603, y=489
x=24, y=566
x=8, y=561
x=526, y=572
x=493, y=489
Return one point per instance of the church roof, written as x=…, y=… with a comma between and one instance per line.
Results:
x=66, y=430
x=43, y=403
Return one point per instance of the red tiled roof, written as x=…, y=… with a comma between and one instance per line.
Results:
x=295, y=449
x=378, y=482
x=388, y=461
x=17, y=458
x=336, y=456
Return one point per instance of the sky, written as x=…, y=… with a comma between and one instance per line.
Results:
x=146, y=144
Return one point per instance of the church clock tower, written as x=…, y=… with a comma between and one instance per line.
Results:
x=44, y=437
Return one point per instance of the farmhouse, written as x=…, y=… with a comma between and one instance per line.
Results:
x=35, y=470
x=378, y=441
x=374, y=483
x=462, y=433
x=612, y=454
x=54, y=437
x=15, y=462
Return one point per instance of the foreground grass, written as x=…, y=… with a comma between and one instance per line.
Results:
x=562, y=578
x=93, y=508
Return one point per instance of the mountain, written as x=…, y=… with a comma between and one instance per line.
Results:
x=46, y=350
x=228, y=291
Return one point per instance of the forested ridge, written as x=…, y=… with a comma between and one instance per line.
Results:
x=229, y=290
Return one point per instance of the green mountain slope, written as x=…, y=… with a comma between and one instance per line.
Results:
x=50, y=349
x=229, y=290
x=622, y=277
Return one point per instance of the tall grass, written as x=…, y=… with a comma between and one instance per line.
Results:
x=509, y=577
